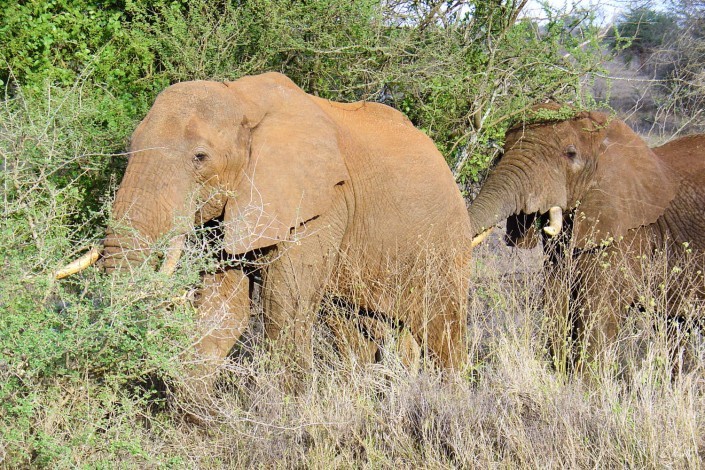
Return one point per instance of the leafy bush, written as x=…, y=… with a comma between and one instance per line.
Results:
x=458, y=72
x=92, y=332
x=62, y=41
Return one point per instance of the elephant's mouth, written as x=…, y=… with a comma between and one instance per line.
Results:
x=171, y=258
x=553, y=228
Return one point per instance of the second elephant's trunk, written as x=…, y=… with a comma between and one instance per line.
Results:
x=497, y=201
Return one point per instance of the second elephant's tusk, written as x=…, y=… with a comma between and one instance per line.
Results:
x=555, y=221
x=78, y=265
x=480, y=238
x=173, y=254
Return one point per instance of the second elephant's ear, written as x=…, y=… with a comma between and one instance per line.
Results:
x=631, y=187
x=294, y=163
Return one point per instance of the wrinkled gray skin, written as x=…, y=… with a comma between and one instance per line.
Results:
x=612, y=187
x=350, y=192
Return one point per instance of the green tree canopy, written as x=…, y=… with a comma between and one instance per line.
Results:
x=641, y=30
x=458, y=69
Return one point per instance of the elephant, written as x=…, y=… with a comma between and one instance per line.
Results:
x=624, y=203
x=316, y=192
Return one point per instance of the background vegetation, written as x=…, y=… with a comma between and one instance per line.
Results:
x=84, y=362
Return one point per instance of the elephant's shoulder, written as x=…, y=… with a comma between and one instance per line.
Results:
x=383, y=111
x=269, y=79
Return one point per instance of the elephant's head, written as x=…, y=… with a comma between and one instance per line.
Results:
x=256, y=151
x=590, y=162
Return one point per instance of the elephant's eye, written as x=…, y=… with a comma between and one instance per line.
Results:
x=200, y=157
x=571, y=152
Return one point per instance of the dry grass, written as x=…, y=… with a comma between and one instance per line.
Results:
x=511, y=409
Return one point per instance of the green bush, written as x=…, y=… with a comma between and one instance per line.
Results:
x=64, y=41
x=459, y=73
x=93, y=332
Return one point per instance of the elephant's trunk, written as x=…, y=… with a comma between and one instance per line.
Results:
x=151, y=202
x=498, y=199
x=521, y=183
x=121, y=250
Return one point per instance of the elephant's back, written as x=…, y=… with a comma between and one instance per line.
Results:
x=686, y=156
x=684, y=220
x=402, y=187
x=405, y=173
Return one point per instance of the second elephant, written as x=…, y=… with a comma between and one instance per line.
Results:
x=623, y=203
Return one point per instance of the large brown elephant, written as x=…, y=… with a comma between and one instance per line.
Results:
x=320, y=190
x=624, y=204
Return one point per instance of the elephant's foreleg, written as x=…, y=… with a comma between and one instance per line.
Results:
x=444, y=333
x=294, y=284
x=558, y=322
x=223, y=314
x=605, y=291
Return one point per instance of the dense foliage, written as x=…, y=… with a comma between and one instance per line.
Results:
x=458, y=69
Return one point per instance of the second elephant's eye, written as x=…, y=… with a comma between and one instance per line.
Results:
x=200, y=157
x=571, y=152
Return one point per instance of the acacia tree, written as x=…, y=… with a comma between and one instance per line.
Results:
x=641, y=31
x=682, y=59
x=669, y=46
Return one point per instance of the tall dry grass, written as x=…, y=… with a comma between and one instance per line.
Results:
x=511, y=408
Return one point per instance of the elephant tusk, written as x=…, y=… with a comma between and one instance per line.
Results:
x=555, y=221
x=176, y=248
x=78, y=265
x=480, y=238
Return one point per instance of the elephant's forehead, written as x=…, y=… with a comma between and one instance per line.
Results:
x=176, y=132
x=546, y=134
x=183, y=100
x=188, y=112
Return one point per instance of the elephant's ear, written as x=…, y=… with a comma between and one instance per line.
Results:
x=631, y=187
x=521, y=231
x=294, y=162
